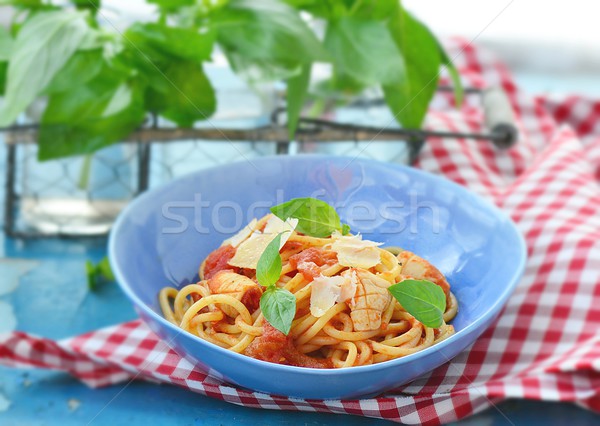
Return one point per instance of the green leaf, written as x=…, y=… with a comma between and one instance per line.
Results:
x=90, y=273
x=159, y=41
x=91, y=116
x=265, y=39
x=422, y=299
x=364, y=50
x=409, y=97
x=23, y=3
x=6, y=45
x=296, y=94
x=3, y=69
x=279, y=308
x=454, y=75
x=105, y=270
x=315, y=217
x=42, y=47
x=345, y=229
x=79, y=69
x=185, y=96
x=268, y=268
x=92, y=5
x=317, y=8
x=98, y=274
x=171, y=5
x=379, y=10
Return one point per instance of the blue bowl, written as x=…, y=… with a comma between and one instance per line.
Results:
x=162, y=236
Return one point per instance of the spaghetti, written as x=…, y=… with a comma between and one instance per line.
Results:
x=344, y=314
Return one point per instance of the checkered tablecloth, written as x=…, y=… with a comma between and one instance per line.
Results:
x=546, y=343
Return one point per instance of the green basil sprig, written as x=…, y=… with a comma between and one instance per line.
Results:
x=422, y=299
x=101, y=84
x=278, y=305
x=98, y=274
x=315, y=217
x=279, y=308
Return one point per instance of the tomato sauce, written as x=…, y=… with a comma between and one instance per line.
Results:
x=274, y=346
x=218, y=260
x=309, y=262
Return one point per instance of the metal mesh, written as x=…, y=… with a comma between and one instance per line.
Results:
x=173, y=159
x=53, y=197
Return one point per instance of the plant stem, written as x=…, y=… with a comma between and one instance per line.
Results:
x=317, y=108
x=84, y=173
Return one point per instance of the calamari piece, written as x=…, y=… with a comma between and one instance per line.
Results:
x=239, y=286
x=370, y=300
x=418, y=268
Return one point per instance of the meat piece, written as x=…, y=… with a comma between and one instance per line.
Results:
x=312, y=261
x=217, y=261
x=238, y=286
x=370, y=300
x=274, y=346
x=418, y=268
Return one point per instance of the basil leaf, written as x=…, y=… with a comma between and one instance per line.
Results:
x=79, y=69
x=265, y=39
x=92, y=5
x=23, y=3
x=296, y=93
x=268, y=268
x=422, y=299
x=364, y=50
x=279, y=308
x=42, y=47
x=6, y=44
x=105, y=270
x=318, y=8
x=379, y=10
x=6, y=47
x=171, y=5
x=315, y=217
x=159, y=41
x=90, y=274
x=98, y=274
x=454, y=75
x=185, y=95
x=90, y=116
x=3, y=69
x=345, y=229
x=409, y=97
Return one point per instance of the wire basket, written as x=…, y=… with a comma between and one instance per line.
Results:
x=77, y=197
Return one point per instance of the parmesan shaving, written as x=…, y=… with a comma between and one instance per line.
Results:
x=327, y=291
x=349, y=288
x=242, y=235
x=353, y=251
x=249, y=251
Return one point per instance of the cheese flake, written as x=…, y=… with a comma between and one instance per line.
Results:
x=353, y=251
x=327, y=291
x=276, y=226
x=249, y=251
x=242, y=235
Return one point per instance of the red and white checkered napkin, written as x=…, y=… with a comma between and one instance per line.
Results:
x=546, y=343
